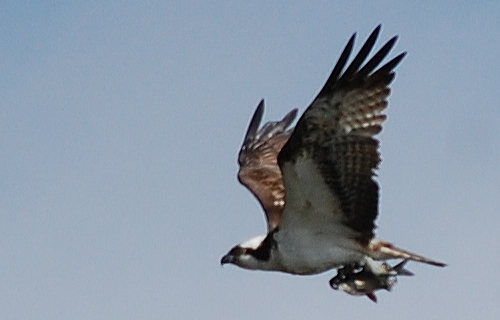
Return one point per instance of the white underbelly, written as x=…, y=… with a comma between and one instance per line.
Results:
x=315, y=254
x=312, y=237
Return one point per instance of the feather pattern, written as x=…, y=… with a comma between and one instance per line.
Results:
x=259, y=170
x=316, y=182
x=336, y=133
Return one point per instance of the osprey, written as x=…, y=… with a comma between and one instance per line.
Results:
x=316, y=182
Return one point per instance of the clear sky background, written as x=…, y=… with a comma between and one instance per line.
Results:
x=119, y=128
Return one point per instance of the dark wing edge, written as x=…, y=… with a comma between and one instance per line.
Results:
x=337, y=132
x=259, y=170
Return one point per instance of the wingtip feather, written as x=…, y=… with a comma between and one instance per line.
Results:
x=255, y=122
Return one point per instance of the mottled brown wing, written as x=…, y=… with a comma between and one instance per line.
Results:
x=259, y=170
x=336, y=133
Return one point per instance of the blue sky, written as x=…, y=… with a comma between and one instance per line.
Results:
x=119, y=128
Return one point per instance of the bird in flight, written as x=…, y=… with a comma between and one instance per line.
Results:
x=316, y=182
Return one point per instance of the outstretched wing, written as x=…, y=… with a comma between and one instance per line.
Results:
x=330, y=158
x=259, y=170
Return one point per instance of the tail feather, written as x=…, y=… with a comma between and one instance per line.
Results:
x=401, y=270
x=382, y=250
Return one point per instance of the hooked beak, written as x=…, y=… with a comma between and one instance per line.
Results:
x=226, y=259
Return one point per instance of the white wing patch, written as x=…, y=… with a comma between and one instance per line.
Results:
x=310, y=204
x=311, y=235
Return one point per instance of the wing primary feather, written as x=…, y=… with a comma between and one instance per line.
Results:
x=339, y=66
x=376, y=59
x=272, y=128
x=254, y=123
x=361, y=56
x=387, y=68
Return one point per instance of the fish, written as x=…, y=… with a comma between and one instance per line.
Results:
x=364, y=279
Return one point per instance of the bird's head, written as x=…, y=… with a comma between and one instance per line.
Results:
x=253, y=254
